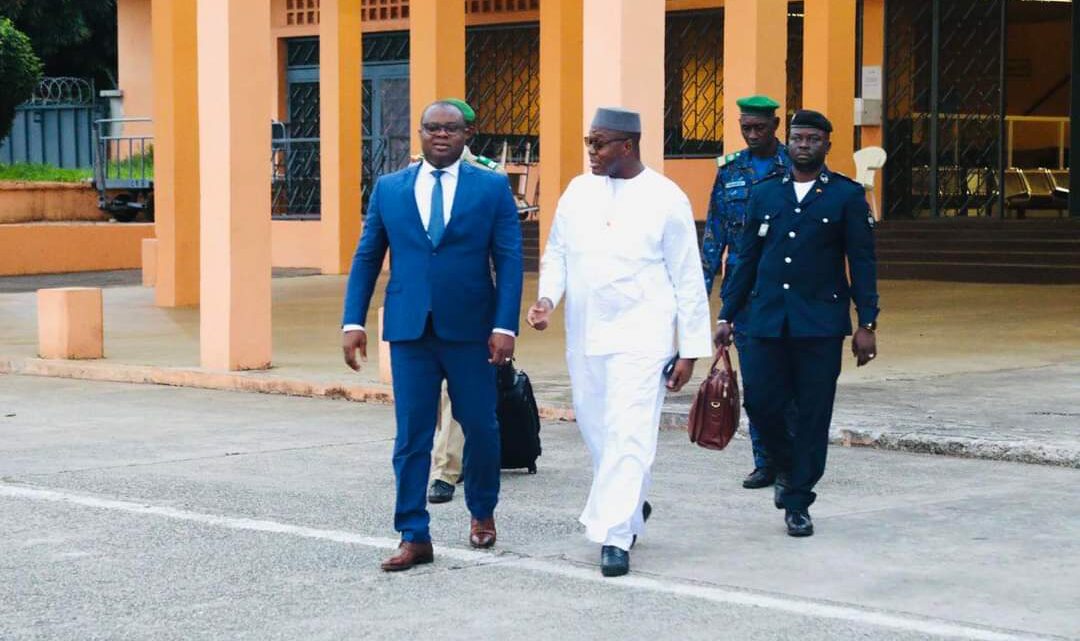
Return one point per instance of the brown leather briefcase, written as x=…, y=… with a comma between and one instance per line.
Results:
x=714, y=416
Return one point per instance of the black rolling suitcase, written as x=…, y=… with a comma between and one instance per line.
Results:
x=519, y=420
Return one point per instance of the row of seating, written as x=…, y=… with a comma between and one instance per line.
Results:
x=1024, y=189
x=1036, y=189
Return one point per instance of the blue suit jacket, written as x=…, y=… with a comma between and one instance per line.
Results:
x=453, y=282
x=791, y=265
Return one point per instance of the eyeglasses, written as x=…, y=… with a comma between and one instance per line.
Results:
x=450, y=128
x=599, y=143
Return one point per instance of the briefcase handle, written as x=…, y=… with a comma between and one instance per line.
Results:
x=722, y=354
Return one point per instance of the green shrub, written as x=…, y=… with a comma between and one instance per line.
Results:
x=20, y=72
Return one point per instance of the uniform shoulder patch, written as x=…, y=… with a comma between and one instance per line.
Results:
x=487, y=162
x=723, y=160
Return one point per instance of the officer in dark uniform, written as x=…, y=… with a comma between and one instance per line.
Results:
x=736, y=174
x=791, y=275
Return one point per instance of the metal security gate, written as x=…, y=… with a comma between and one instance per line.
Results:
x=502, y=82
x=55, y=126
x=385, y=120
x=944, y=107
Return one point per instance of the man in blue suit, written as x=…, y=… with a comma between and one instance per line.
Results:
x=791, y=275
x=446, y=224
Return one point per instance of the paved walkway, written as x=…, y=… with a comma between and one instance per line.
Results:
x=968, y=369
x=145, y=512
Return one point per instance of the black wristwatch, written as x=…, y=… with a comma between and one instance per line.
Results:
x=871, y=326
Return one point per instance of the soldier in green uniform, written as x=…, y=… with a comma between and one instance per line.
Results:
x=736, y=175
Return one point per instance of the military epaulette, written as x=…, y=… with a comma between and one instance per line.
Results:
x=487, y=162
x=723, y=160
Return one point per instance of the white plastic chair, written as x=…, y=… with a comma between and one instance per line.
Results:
x=867, y=161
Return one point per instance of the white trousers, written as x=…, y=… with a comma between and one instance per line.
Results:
x=617, y=402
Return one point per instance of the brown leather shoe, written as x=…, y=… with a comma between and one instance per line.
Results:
x=482, y=533
x=407, y=555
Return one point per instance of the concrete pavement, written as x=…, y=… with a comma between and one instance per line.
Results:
x=145, y=512
x=965, y=369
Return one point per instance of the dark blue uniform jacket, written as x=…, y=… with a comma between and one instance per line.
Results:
x=791, y=270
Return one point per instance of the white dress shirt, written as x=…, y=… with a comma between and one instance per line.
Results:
x=425, y=184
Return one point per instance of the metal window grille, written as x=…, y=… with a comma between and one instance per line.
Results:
x=694, y=83
x=296, y=191
x=502, y=83
x=943, y=107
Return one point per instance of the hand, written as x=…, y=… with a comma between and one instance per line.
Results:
x=352, y=341
x=864, y=346
x=501, y=347
x=538, y=314
x=684, y=369
x=723, y=335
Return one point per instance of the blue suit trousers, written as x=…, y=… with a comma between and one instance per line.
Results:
x=419, y=368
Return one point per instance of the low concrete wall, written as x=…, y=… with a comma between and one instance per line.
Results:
x=51, y=248
x=25, y=202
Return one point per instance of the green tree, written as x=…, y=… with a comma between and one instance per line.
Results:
x=73, y=37
x=20, y=71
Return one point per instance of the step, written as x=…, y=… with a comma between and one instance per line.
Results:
x=980, y=272
x=930, y=246
x=980, y=257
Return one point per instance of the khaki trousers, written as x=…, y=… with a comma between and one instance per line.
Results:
x=446, y=454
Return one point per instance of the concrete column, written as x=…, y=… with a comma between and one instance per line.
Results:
x=829, y=73
x=623, y=65
x=235, y=75
x=340, y=136
x=176, y=152
x=561, y=117
x=436, y=56
x=755, y=57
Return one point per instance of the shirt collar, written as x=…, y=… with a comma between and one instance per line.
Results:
x=452, y=170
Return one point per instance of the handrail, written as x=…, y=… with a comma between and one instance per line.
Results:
x=1010, y=124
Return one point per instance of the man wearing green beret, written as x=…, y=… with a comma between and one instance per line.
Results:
x=736, y=174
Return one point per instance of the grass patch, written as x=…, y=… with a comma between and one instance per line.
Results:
x=43, y=173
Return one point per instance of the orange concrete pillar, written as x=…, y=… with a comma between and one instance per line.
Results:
x=235, y=75
x=386, y=374
x=753, y=63
x=339, y=95
x=623, y=65
x=436, y=56
x=149, y=261
x=873, y=54
x=135, y=65
x=829, y=73
x=176, y=153
x=70, y=323
x=561, y=117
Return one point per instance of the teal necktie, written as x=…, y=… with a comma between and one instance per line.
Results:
x=436, y=224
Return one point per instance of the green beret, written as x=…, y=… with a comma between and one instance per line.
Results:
x=758, y=105
x=466, y=109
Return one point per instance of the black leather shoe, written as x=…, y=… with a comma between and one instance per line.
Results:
x=646, y=512
x=614, y=561
x=780, y=483
x=440, y=492
x=798, y=523
x=759, y=478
